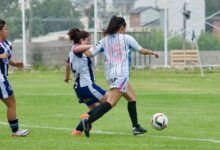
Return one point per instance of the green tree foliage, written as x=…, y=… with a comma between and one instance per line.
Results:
x=208, y=41
x=212, y=6
x=11, y=13
x=91, y=16
x=157, y=40
x=53, y=15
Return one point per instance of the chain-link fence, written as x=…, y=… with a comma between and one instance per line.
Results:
x=48, y=21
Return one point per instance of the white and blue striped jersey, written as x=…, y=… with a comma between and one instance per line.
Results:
x=116, y=50
x=82, y=68
x=5, y=47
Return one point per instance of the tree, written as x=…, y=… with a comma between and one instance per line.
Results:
x=53, y=15
x=211, y=7
x=91, y=16
x=11, y=13
x=208, y=41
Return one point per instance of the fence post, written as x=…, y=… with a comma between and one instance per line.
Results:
x=23, y=33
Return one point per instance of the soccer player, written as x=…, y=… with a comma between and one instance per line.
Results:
x=116, y=48
x=6, y=92
x=84, y=83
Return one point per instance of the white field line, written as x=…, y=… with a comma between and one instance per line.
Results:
x=114, y=133
x=138, y=93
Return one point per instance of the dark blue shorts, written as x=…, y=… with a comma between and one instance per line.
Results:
x=5, y=89
x=89, y=94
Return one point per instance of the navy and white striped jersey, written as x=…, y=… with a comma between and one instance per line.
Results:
x=116, y=50
x=5, y=47
x=82, y=68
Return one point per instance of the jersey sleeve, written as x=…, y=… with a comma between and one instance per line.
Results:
x=69, y=59
x=96, y=49
x=133, y=43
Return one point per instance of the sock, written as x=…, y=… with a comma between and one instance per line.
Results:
x=13, y=125
x=99, y=112
x=79, y=126
x=133, y=113
x=92, y=111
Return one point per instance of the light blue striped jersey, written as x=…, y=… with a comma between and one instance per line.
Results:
x=82, y=68
x=116, y=50
x=5, y=48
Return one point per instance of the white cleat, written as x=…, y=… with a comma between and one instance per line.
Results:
x=21, y=133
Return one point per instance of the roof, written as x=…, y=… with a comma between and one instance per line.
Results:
x=154, y=22
x=141, y=9
x=120, y=2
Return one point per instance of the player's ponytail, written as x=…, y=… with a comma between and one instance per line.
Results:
x=115, y=24
x=73, y=34
x=2, y=24
x=76, y=35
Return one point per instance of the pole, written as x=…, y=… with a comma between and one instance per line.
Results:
x=165, y=36
x=95, y=27
x=200, y=63
x=30, y=22
x=184, y=27
x=23, y=33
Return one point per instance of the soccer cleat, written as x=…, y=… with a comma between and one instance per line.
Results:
x=84, y=116
x=138, y=130
x=86, y=127
x=20, y=133
x=76, y=132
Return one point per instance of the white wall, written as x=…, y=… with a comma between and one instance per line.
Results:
x=145, y=17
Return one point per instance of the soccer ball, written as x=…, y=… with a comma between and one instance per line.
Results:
x=159, y=121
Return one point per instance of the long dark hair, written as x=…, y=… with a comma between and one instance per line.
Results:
x=2, y=24
x=115, y=24
x=75, y=35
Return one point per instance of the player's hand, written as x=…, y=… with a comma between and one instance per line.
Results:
x=156, y=55
x=19, y=64
x=66, y=80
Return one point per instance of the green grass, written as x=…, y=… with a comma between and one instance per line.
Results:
x=191, y=103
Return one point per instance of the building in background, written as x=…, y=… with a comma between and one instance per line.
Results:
x=175, y=14
x=150, y=13
x=146, y=17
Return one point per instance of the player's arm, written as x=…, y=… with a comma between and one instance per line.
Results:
x=148, y=52
x=16, y=64
x=67, y=74
x=81, y=48
x=88, y=53
x=134, y=44
x=2, y=53
x=94, y=50
x=2, y=56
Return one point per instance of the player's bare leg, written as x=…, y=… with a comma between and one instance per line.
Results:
x=11, y=116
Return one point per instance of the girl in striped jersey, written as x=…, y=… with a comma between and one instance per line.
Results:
x=84, y=83
x=116, y=49
x=6, y=92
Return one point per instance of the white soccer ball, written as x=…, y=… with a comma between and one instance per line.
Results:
x=159, y=121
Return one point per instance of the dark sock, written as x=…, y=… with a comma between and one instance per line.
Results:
x=79, y=126
x=92, y=111
x=99, y=112
x=13, y=125
x=133, y=113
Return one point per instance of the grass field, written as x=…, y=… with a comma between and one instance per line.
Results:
x=50, y=109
